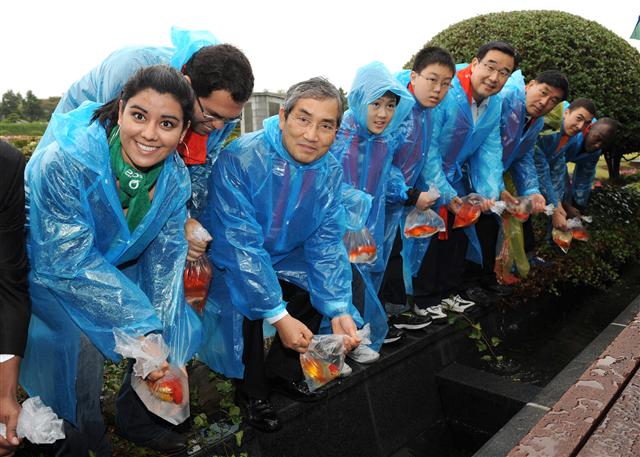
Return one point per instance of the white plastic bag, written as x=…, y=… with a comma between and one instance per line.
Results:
x=168, y=397
x=37, y=423
x=521, y=210
x=498, y=207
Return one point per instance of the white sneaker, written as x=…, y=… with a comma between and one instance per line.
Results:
x=346, y=371
x=451, y=304
x=420, y=311
x=436, y=312
x=463, y=301
x=363, y=354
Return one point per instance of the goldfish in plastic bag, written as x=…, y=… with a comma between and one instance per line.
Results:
x=169, y=390
x=562, y=239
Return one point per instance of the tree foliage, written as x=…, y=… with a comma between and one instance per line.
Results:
x=599, y=64
x=31, y=107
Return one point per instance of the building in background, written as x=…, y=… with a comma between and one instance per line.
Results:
x=260, y=106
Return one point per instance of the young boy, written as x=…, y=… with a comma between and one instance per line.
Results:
x=429, y=81
x=364, y=146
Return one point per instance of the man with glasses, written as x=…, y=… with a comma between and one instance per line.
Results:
x=522, y=119
x=466, y=141
x=222, y=80
x=276, y=215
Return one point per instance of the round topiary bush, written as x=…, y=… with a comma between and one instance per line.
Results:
x=599, y=64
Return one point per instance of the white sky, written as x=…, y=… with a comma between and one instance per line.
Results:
x=46, y=45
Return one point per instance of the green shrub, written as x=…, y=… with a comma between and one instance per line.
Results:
x=600, y=65
x=594, y=264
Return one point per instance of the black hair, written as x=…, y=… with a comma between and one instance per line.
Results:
x=554, y=78
x=431, y=55
x=220, y=67
x=501, y=46
x=393, y=95
x=161, y=78
x=608, y=122
x=585, y=103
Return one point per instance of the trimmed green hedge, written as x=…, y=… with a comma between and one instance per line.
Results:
x=600, y=65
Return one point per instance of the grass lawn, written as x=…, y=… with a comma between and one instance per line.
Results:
x=22, y=128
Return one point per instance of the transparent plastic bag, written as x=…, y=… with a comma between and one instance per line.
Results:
x=361, y=246
x=521, y=210
x=37, y=423
x=562, y=239
x=167, y=397
x=325, y=356
x=197, y=275
x=469, y=212
x=512, y=258
x=423, y=224
x=578, y=230
x=498, y=207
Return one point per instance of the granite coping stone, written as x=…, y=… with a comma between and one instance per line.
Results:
x=567, y=426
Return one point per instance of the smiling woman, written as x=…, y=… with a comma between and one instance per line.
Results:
x=107, y=207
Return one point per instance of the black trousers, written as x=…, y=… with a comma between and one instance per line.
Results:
x=487, y=229
x=392, y=289
x=441, y=272
x=529, y=239
x=280, y=362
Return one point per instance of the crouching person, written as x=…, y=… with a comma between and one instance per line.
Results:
x=107, y=206
x=277, y=221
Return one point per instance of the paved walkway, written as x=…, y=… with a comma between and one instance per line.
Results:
x=599, y=416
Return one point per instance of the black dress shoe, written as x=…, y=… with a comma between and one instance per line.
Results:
x=168, y=443
x=298, y=390
x=501, y=290
x=479, y=295
x=259, y=413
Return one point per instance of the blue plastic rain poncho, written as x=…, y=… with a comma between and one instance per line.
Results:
x=270, y=217
x=105, y=82
x=586, y=163
x=550, y=156
x=517, y=147
x=420, y=168
x=366, y=163
x=470, y=153
x=88, y=272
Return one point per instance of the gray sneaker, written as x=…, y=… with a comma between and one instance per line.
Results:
x=363, y=354
x=346, y=371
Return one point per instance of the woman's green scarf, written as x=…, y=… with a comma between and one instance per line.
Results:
x=134, y=184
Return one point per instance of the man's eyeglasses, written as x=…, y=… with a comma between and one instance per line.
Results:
x=434, y=82
x=504, y=74
x=216, y=118
x=305, y=122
